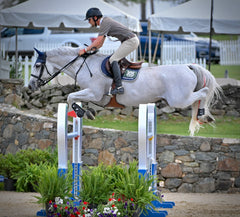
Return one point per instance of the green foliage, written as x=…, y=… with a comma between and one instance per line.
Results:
x=23, y=166
x=7, y=165
x=133, y=185
x=96, y=186
x=50, y=185
x=113, y=172
x=28, y=177
x=121, y=181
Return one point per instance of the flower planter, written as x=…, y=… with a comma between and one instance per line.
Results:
x=9, y=185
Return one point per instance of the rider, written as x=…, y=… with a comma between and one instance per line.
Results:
x=110, y=27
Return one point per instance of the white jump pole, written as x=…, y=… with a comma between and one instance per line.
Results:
x=147, y=137
x=147, y=140
x=62, y=137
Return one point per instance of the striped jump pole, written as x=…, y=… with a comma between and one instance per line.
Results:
x=62, y=140
x=147, y=135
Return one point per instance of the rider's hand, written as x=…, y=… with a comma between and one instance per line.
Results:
x=82, y=51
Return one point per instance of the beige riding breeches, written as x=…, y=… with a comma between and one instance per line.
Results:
x=125, y=48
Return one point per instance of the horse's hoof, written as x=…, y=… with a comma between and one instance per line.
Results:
x=93, y=111
x=90, y=115
x=205, y=119
x=209, y=119
x=202, y=119
x=79, y=111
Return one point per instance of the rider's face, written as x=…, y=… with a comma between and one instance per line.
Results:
x=91, y=21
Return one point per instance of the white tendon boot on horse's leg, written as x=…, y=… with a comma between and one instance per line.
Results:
x=203, y=114
x=194, y=125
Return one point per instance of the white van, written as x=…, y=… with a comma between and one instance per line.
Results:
x=27, y=38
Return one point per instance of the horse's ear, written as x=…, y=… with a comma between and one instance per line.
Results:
x=40, y=53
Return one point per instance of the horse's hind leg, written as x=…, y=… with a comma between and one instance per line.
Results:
x=181, y=101
x=194, y=124
x=200, y=114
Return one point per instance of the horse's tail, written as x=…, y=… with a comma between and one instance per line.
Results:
x=204, y=79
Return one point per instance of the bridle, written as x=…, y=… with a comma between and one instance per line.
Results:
x=41, y=60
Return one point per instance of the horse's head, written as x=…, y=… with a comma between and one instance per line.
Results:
x=40, y=72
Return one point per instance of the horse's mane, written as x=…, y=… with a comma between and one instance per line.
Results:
x=67, y=51
x=64, y=50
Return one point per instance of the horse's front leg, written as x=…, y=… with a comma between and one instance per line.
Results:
x=86, y=95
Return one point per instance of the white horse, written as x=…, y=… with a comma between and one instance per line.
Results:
x=179, y=85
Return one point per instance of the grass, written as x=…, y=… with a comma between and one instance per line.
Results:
x=219, y=70
x=225, y=127
x=220, y=37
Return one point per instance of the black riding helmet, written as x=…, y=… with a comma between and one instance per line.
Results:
x=92, y=12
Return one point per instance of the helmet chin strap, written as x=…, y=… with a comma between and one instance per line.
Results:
x=95, y=21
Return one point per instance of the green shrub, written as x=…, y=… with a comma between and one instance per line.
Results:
x=133, y=185
x=7, y=165
x=96, y=186
x=50, y=185
x=121, y=181
x=28, y=177
x=23, y=166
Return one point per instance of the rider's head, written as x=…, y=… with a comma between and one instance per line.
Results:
x=93, y=13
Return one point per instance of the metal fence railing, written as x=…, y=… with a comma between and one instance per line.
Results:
x=230, y=52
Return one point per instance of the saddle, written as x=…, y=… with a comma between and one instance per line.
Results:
x=124, y=64
x=129, y=71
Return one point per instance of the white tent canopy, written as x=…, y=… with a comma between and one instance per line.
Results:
x=194, y=16
x=61, y=13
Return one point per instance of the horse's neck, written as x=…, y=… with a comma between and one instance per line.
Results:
x=59, y=62
x=90, y=63
x=82, y=65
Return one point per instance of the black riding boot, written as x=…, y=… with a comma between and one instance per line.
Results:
x=117, y=78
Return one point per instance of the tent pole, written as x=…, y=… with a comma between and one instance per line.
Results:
x=211, y=32
x=149, y=45
x=1, y=51
x=16, y=52
x=161, y=52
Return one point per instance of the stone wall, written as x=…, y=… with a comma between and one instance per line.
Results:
x=185, y=164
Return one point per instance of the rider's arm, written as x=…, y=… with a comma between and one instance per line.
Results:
x=97, y=43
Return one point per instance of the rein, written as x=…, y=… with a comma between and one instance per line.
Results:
x=42, y=82
x=84, y=61
x=42, y=59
